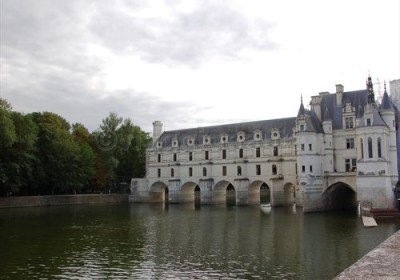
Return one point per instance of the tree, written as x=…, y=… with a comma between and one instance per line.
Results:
x=21, y=156
x=87, y=156
x=59, y=169
x=132, y=155
x=121, y=147
x=7, y=139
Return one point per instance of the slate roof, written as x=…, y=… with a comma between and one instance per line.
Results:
x=358, y=99
x=313, y=124
x=386, y=102
x=285, y=127
x=330, y=111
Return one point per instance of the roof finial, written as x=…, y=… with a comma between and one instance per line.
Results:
x=384, y=85
x=370, y=89
x=301, y=109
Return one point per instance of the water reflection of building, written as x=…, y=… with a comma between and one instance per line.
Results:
x=341, y=150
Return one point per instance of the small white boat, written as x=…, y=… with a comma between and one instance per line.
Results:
x=266, y=207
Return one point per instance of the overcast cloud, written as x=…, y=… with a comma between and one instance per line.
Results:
x=186, y=63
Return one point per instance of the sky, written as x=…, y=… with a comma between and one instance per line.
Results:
x=190, y=63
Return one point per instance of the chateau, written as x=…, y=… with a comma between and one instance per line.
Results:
x=341, y=151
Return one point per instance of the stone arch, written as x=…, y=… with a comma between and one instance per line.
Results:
x=220, y=190
x=339, y=196
x=289, y=194
x=159, y=192
x=255, y=190
x=187, y=192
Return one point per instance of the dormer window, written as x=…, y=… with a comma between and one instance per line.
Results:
x=174, y=143
x=349, y=122
x=190, y=142
x=348, y=108
x=275, y=134
x=241, y=137
x=224, y=138
x=159, y=144
x=301, y=127
x=257, y=135
x=206, y=140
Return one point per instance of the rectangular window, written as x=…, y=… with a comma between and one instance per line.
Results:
x=190, y=171
x=353, y=164
x=368, y=122
x=275, y=151
x=302, y=147
x=241, y=153
x=190, y=156
x=159, y=158
x=311, y=168
x=302, y=127
x=258, y=152
x=174, y=156
x=159, y=172
x=310, y=147
x=303, y=168
x=349, y=143
x=172, y=172
x=223, y=154
x=350, y=164
x=258, y=169
x=379, y=148
x=206, y=155
x=349, y=122
x=223, y=170
x=370, y=155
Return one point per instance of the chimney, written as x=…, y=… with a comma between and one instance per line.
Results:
x=339, y=94
x=157, y=130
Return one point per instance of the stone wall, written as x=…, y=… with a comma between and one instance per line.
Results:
x=380, y=263
x=52, y=200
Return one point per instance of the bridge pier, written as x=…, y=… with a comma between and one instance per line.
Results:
x=174, y=191
x=242, y=191
x=206, y=193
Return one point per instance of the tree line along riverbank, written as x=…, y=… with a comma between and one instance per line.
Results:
x=43, y=154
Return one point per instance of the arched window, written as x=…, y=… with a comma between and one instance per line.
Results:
x=362, y=148
x=204, y=171
x=172, y=172
x=239, y=171
x=370, y=155
x=379, y=148
x=274, y=170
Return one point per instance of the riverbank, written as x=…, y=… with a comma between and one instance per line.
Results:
x=53, y=200
x=380, y=263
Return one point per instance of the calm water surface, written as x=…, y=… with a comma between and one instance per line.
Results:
x=180, y=242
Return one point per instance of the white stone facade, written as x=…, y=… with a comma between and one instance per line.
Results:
x=341, y=151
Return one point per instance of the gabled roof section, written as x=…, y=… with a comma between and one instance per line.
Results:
x=313, y=124
x=285, y=127
x=327, y=116
x=357, y=99
x=377, y=119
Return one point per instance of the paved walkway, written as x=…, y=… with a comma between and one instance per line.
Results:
x=383, y=262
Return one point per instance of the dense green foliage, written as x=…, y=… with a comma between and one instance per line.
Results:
x=41, y=153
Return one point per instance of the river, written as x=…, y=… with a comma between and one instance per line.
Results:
x=142, y=241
